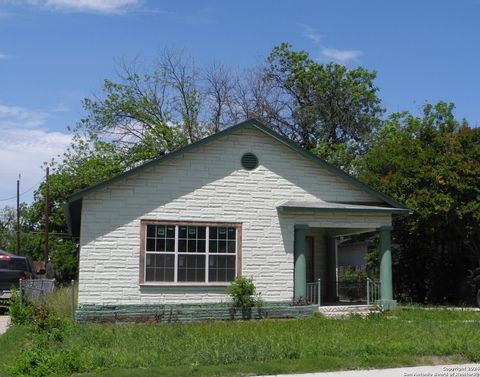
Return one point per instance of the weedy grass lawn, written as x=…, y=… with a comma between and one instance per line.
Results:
x=398, y=338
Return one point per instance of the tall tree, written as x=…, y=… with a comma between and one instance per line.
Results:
x=320, y=106
x=432, y=164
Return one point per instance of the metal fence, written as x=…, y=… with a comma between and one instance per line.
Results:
x=35, y=289
x=314, y=292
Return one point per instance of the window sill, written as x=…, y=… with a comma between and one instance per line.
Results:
x=181, y=285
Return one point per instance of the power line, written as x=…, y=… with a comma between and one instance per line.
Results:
x=24, y=192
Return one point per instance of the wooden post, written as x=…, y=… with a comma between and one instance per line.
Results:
x=18, y=215
x=45, y=252
x=20, y=291
x=73, y=300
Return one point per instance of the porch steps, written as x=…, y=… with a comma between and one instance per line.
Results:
x=340, y=311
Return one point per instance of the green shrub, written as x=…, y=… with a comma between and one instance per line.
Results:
x=20, y=314
x=352, y=284
x=243, y=293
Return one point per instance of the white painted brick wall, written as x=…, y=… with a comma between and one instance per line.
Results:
x=209, y=184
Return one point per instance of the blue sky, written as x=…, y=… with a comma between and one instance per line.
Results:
x=53, y=53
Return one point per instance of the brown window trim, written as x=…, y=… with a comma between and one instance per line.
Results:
x=143, y=228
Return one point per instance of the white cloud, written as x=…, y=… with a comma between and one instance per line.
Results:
x=24, y=146
x=341, y=56
x=80, y=6
x=330, y=53
x=3, y=56
x=311, y=33
x=100, y=6
x=19, y=117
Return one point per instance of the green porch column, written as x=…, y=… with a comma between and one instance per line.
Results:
x=331, y=283
x=300, y=262
x=384, y=248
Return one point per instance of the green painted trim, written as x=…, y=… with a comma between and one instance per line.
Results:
x=331, y=168
x=402, y=211
x=80, y=194
x=388, y=304
x=386, y=228
x=300, y=262
x=169, y=313
x=301, y=226
x=248, y=123
x=384, y=246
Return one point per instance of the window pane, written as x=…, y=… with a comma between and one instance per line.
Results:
x=150, y=274
x=151, y=231
x=230, y=275
x=231, y=233
x=182, y=232
x=200, y=246
x=231, y=246
x=182, y=246
x=213, y=233
x=150, y=244
x=170, y=232
x=212, y=246
x=191, y=268
x=169, y=274
x=221, y=268
x=158, y=266
x=230, y=262
x=222, y=246
x=222, y=275
x=192, y=246
x=161, y=231
x=170, y=245
x=202, y=232
x=192, y=232
x=160, y=245
x=222, y=233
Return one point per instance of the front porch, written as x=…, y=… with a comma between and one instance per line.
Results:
x=316, y=275
x=318, y=229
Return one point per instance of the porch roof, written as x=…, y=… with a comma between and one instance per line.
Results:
x=321, y=206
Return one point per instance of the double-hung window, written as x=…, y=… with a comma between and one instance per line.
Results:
x=189, y=252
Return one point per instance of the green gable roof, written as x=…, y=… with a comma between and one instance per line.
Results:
x=73, y=204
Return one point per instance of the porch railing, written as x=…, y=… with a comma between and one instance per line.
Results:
x=373, y=291
x=314, y=290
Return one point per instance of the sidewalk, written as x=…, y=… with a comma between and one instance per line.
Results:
x=463, y=370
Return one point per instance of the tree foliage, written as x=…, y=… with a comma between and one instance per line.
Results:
x=432, y=164
x=327, y=108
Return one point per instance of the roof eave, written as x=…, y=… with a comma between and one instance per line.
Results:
x=393, y=211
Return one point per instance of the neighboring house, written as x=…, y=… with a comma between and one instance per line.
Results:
x=354, y=253
x=245, y=201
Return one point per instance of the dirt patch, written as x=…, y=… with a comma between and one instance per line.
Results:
x=442, y=360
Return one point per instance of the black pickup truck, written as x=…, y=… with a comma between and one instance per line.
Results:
x=12, y=269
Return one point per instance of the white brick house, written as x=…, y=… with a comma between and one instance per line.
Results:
x=244, y=201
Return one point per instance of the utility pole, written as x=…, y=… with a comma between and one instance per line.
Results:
x=18, y=215
x=45, y=252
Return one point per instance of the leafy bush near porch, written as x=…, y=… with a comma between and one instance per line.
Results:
x=352, y=284
x=402, y=337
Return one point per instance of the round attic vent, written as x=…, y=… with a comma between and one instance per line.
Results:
x=249, y=161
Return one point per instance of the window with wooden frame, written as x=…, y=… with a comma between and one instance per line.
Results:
x=189, y=252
